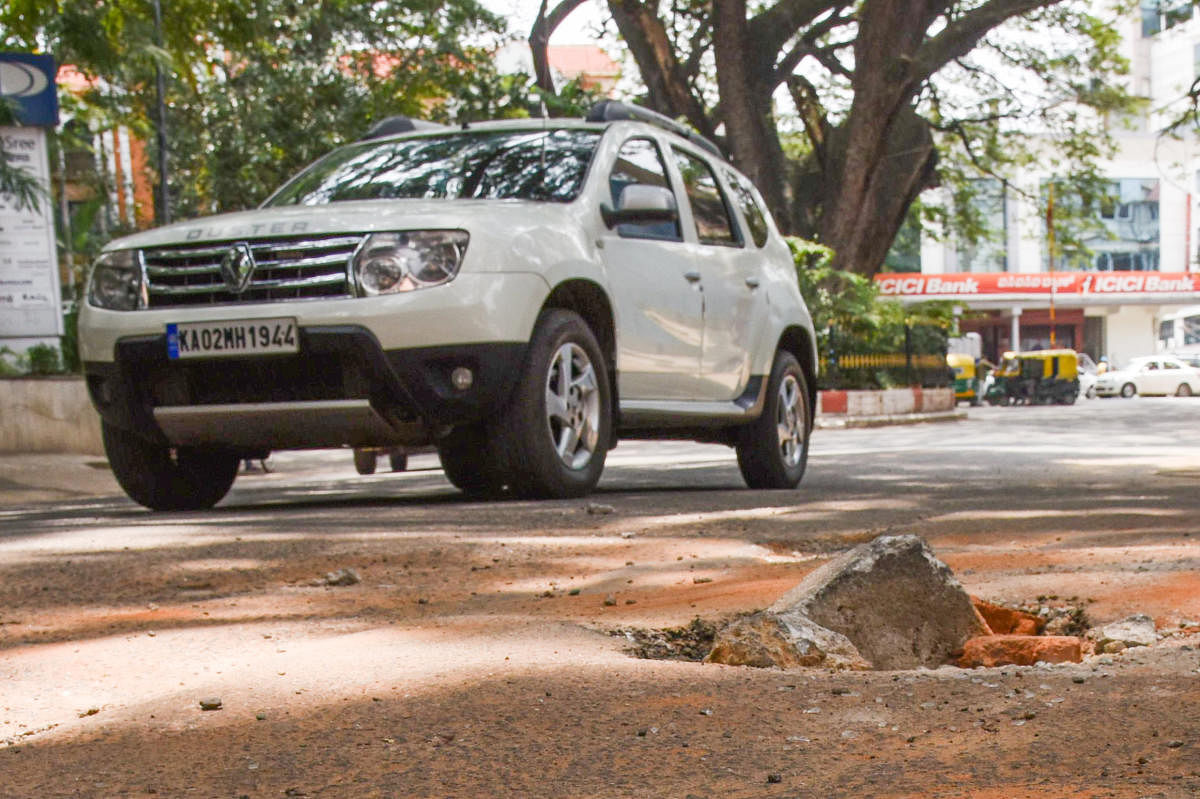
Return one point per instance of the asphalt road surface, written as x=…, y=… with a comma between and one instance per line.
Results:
x=475, y=655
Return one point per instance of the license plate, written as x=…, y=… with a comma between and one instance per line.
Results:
x=219, y=339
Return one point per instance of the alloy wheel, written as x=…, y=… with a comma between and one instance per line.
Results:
x=573, y=406
x=789, y=421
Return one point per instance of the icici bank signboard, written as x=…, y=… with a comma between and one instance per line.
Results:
x=1036, y=284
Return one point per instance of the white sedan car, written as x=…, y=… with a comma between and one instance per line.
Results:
x=1150, y=375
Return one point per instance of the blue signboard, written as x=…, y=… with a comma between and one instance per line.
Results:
x=28, y=80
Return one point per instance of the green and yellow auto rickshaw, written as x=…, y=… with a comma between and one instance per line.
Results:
x=1042, y=377
x=968, y=382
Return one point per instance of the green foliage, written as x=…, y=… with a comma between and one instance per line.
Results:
x=257, y=109
x=44, y=359
x=15, y=181
x=1053, y=75
x=10, y=365
x=40, y=360
x=257, y=89
x=851, y=318
x=70, y=341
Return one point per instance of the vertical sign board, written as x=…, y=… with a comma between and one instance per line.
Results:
x=29, y=282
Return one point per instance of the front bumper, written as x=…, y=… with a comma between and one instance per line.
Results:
x=342, y=388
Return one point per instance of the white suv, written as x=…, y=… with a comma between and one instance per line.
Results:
x=519, y=294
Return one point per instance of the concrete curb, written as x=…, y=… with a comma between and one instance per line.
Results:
x=836, y=422
x=49, y=414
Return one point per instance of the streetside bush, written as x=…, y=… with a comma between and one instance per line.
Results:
x=866, y=341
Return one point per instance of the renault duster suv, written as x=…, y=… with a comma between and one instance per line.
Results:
x=519, y=294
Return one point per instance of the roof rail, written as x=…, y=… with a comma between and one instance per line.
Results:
x=391, y=126
x=614, y=110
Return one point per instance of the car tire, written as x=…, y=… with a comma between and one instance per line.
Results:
x=1091, y=393
x=398, y=460
x=364, y=460
x=469, y=462
x=557, y=425
x=1128, y=390
x=1184, y=390
x=772, y=451
x=164, y=478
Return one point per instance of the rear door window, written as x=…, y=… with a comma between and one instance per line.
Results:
x=714, y=223
x=752, y=212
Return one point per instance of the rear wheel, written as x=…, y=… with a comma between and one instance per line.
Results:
x=166, y=478
x=1184, y=390
x=555, y=431
x=773, y=450
x=364, y=460
x=1128, y=390
x=398, y=460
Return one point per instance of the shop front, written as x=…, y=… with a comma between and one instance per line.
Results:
x=1105, y=314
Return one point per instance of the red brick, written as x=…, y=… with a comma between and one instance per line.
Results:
x=1006, y=621
x=1020, y=650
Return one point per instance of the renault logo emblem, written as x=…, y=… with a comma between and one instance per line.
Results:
x=237, y=267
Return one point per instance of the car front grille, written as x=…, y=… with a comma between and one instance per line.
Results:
x=285, y=269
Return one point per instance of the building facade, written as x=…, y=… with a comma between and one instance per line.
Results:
x=1140, y=262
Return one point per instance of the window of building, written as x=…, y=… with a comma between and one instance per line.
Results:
x=987, y=209
x=1118, y=231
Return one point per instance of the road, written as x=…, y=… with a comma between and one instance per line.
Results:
x=474, y=656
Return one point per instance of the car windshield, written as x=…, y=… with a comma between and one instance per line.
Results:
x=495, y=165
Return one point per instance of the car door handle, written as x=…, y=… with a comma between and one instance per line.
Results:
x=692, y=276
x=752, y=282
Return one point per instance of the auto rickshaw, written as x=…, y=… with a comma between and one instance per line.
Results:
x=1043, y=377
x=999, y=391
x=968, y=382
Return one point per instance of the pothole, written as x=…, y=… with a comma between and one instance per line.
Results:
x=692, y=642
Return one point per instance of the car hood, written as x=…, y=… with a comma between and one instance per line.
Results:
x=367, y=216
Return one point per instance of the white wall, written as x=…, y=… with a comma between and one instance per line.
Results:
x=1130, y=333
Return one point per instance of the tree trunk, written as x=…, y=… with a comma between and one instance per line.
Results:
x=648, y=42
x=884, y=154
x=744, y=80
x=539, y=40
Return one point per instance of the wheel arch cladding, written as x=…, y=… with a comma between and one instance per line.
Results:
x=588, y=299
x=797, y=341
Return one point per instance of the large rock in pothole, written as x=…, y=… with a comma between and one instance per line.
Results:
x=897, y=605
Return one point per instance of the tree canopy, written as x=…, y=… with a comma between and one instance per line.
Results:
x=880, y=93
x=258, y=88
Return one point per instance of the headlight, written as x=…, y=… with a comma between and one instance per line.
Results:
x=116, y=282
x=388, y=263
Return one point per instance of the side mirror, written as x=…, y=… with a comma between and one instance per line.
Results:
x=641, y=204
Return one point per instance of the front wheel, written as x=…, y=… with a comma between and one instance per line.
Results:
x=1184, y=390
x=471, y=463
x=166, y=478
x=772, y=451
x=1128, y=390
x=556, y=429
